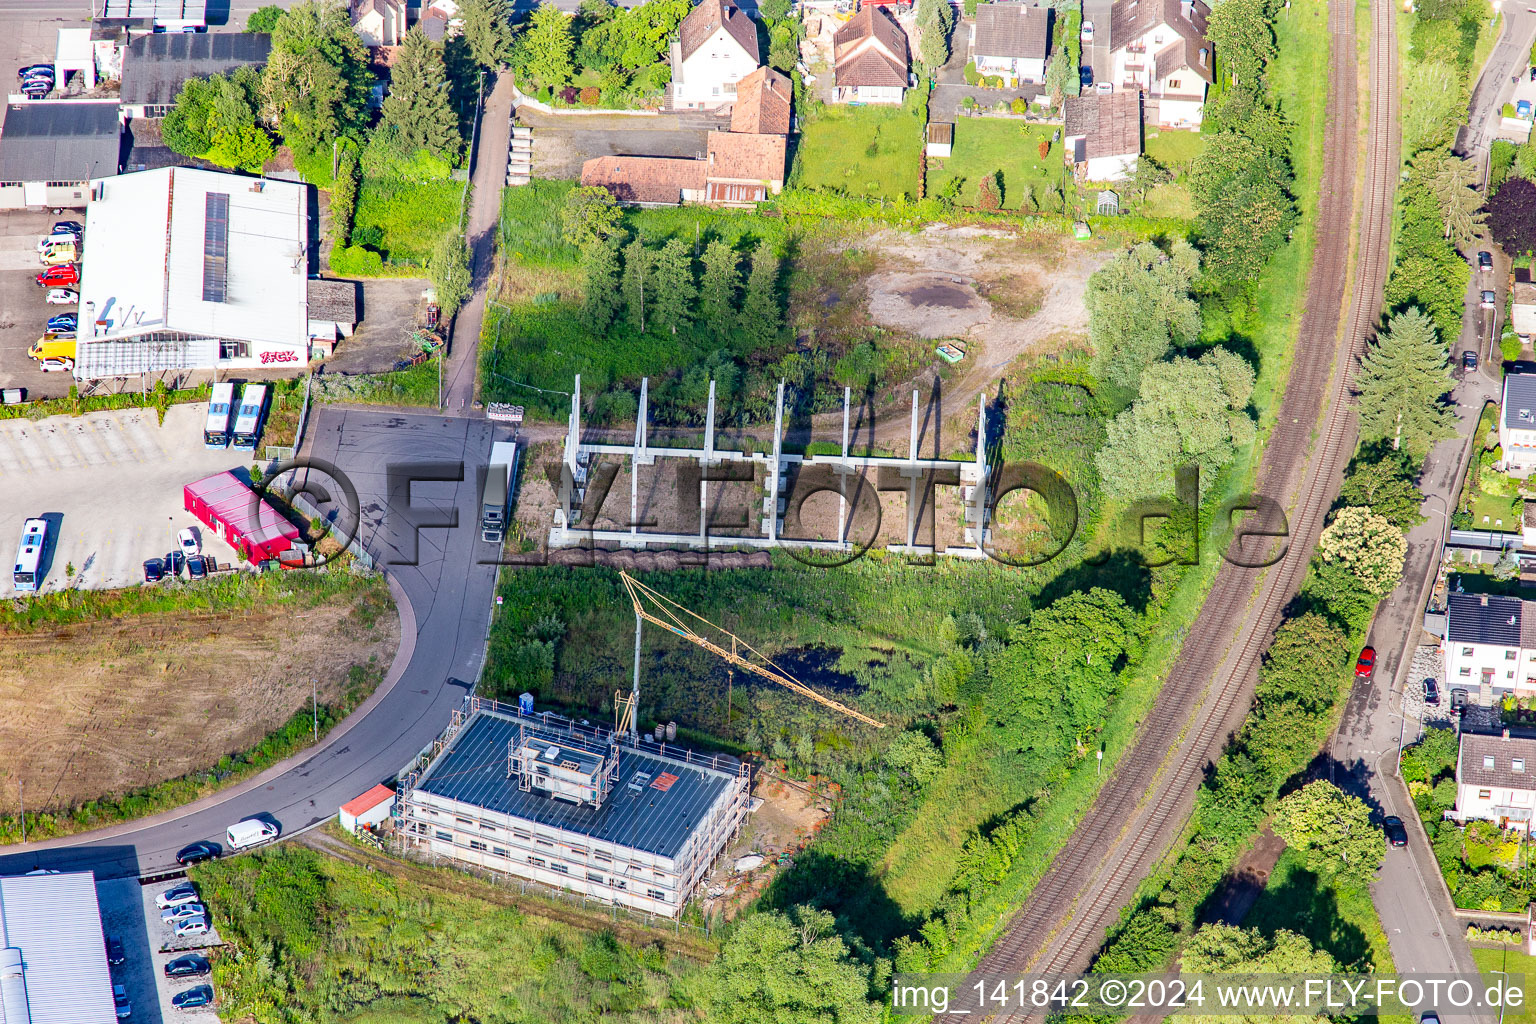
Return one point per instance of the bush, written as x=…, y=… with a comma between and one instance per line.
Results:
x=590, y=95
x=1044, y=148
x=972, y=76
x=356, y=261
x=1019, y=105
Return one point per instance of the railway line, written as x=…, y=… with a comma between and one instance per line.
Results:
x=1141, y=809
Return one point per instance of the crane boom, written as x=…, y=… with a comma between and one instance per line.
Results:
x=638, y=591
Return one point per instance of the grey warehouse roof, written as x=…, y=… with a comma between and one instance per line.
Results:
x=1483, y=619
x=473, y=770
x=1477, y=748
x=56, y=923
x=156, y=66
x=59, y=140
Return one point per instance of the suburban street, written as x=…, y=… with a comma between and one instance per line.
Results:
x=445, y=605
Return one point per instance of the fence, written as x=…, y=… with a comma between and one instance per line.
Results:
x=313, y=514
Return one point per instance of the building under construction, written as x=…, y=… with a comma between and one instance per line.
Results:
x=609, y=815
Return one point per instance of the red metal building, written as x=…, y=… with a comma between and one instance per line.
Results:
x=228, y=507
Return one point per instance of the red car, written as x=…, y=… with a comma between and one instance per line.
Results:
x=58, y=277
x=1366, y=663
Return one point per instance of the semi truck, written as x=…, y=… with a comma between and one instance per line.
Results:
x=498, y=487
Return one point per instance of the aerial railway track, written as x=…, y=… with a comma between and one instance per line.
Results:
x=1141, y=809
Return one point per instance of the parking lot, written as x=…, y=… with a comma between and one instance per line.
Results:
x=23, y=313
x=129, y=913
x=110, y=486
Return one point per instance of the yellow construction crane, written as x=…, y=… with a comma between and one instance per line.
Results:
x=666, y=615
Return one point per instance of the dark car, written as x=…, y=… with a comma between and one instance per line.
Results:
x=1469, y=360
x=115, y=955
x=1431, y=693
x=154, y=570
x=67, y=227
x=196, y=567
x=175, y=561
x=63, y=322
x=198, y=852
x=190, y=966
x=1485, y=261
x=1366, y=664
x=1397, y=835
x=199, y=995
x=34, y=69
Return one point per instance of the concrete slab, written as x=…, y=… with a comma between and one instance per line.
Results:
x=110, y=485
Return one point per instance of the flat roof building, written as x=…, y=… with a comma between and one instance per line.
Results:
x=155, y=67
x=574, y=807
x=192, y=269
x=50, y=150
x=53, y=955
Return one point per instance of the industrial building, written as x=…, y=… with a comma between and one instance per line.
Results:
x=187, y=269
x=50, y=150
x=239, y=517
x=608, y=815
x=53, y=954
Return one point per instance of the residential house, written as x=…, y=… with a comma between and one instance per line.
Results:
x=739, y=169
x=434, y=24
x=1161, y=48
x=1490, y=645
x=1517, y=425
x=51, y=149
x=1496, y=780
x=156, y=66
x=762, y=104
x=1102, y=135
x=870, y=59
x=379, y=22
x=1012, y=40
x=716, y=47
x=1522, y=307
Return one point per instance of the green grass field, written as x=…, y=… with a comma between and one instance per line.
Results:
x=987, y=145
x=1175, y=150
x=403, y=220
x=1511, y=961
x=861, y=151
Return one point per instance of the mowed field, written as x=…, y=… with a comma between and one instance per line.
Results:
x=121, y=701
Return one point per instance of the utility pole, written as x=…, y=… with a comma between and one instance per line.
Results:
x=314, y=706
x=730, y=678
x=21, y=795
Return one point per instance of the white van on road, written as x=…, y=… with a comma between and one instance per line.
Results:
x=250, y=832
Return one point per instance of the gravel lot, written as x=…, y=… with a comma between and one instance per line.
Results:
x=164, y=948
x=110, y=485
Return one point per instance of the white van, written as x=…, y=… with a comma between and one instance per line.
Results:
x=250, y=832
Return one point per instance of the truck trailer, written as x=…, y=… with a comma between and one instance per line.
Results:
x=498, y=488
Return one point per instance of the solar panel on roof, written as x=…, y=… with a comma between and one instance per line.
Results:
x=216, y=247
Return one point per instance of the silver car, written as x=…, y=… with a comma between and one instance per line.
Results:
x=183, y=912
x=176, y=895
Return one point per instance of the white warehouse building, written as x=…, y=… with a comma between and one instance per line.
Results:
x=187, y=269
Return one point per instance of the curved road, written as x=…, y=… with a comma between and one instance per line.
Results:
x=445, y=605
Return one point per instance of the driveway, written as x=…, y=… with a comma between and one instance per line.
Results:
x=110, y=485
x=1496, y=85
x=392, y=308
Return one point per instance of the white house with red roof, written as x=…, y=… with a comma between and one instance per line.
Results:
x=716, y=47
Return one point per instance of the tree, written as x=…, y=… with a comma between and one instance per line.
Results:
x=1512, y=216
x=1227, y=949
x=215, y=118
x=637, y=272
x=488, y=30
x=672, y=291
x=986, y=193
x=1240, y=187
x=448, y=266
x=1241, y=31
x=1402, y=385
x=418, y=104
x=185, y=127
x=717, y=291
x=343, y=204
x=1190, y=411
x=1365, y=545
x=600, y=304
x=1062, y=77
x=316, y=83
x=1435, y=102
x=1453, y=182
x=762, y=319
x=590, y=214
x=1381, y=478
x=545, y=51
x=1332, y=829
x=1139, y=307
x=935, y=22
x=777, y=967
x=263, y=19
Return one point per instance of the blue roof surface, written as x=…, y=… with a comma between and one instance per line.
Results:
x=636, y=814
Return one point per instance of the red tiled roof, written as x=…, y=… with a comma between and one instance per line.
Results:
x=369, y=800
x=762, y=103
x=710, y=15
x=644, y=179
x=745, y=157
x=870, y=50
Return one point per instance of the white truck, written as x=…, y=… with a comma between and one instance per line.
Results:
x=250, y=832
x=498, y=489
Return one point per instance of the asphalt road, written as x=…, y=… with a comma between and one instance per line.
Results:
x=1495, y=85
x=447, y=609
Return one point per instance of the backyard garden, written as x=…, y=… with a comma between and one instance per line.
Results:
x=869, y=151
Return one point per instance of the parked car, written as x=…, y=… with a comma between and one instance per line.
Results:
x=1366, y=664
x=1431, y=693
x=187, y=538
x=183, y=912
x=63, y=322
x=1485, y=261
x=1533, y=74
x=154, y=570
x=36, y=89
x=1087, y=33
x=191, y=926
x=73, y=226
x=198, y=995
x=58, y=255
x=198, y=852
x=62, y=297
x=32, y=69
x=197, y=567
x=57, y=238
x=56, y=365
x=1469, y=360
x=54, y=277
x=1397, y=835
x=175, y=561
x=1523, y=109
x=1488, y=300
x=115, y=954
x=120, y=1000
x=176, y=895
x=190, y=966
